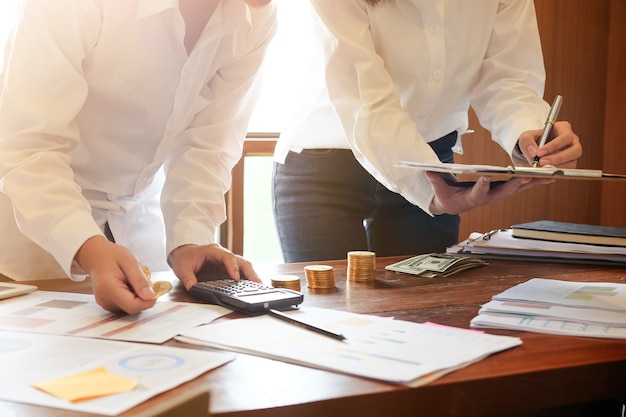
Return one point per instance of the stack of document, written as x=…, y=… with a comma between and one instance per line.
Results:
x=591, y=309
x=501, y=244
x=374, y=347
x=433, y=265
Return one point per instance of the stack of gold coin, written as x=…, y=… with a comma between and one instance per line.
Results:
x=291, y=282
x=361, y=266
x=319, y=276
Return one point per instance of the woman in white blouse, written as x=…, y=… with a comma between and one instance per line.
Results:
x=393, y=80
x=108, y=107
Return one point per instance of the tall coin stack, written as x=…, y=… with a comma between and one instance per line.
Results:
x=361, y=266
x=319, y=276
x=291, y=282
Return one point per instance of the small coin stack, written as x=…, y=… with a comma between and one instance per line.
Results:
x=319, y=276
x=361, y=266
x=291, y=282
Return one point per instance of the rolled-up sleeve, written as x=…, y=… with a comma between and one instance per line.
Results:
x=37, y=125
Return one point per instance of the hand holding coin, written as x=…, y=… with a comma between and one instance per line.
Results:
x=159, y=287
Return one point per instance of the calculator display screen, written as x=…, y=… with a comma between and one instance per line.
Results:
x=262, y=298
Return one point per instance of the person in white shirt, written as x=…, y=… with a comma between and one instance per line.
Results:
x=123, y=119
x=391, y=81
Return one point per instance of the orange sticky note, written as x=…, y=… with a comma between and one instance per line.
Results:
x=86, y=385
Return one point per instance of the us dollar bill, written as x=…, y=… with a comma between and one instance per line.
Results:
x=435, y=264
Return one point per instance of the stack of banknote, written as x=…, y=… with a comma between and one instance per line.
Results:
x=432, y=265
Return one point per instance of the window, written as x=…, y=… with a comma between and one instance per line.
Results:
x=285, y=53
x=8, y=10
x=284, y=56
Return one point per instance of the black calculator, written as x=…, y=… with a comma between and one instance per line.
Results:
x=245, y=296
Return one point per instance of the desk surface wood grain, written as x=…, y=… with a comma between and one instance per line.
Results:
x=546, y=372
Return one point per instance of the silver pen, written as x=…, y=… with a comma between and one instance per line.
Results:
x=547, y=128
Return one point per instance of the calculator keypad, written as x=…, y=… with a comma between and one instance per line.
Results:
x=229, y=286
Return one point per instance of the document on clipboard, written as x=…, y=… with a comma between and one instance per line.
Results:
x=511, y=171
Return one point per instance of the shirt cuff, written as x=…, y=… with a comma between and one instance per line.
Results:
x=188, y=232
x=67, y=237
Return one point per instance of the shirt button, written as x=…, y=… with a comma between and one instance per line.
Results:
x=437, y=75
x=434, y=28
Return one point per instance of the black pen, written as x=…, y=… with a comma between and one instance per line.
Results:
x=547, y=128
x=291, y=320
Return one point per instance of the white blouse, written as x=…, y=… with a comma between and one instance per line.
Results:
x=103, y=111
x=385, y=80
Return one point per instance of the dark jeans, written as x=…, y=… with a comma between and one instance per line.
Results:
x=326, y=204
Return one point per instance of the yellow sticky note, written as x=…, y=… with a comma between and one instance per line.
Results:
x=86, y=385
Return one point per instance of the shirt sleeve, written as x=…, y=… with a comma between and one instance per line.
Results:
x=198, y=169
x=37, y=128
x=508, y=96
x=380, y=133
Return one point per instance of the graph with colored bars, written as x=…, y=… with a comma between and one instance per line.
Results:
x=588, y=292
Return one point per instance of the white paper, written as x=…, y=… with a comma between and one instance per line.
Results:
x=590, y=309
x=29, y=358
x=597, y=295
x=556, y=312
x=378, y=348
x=78, y=315
x=545, y=325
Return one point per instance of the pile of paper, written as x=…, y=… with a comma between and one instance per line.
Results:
x=374, y=347
x=501, y=244
x=591, y=309
x=432, y=265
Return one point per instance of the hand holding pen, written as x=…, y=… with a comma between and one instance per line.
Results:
x=552, y=115
x=557, y=145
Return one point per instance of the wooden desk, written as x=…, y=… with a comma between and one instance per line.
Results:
x=546, y=372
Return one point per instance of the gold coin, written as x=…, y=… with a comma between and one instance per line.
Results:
x=361, y=266
x=146, y=271
x=320, y=276
x=160, y=288
x=291, y=282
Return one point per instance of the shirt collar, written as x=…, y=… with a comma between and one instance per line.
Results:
x=227, y=8
x=149, y=7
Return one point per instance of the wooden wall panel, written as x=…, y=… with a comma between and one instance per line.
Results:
x=575, y=37
x=613, y=201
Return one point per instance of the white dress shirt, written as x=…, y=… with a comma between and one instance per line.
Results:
x=103, y=111
x=404, y=73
